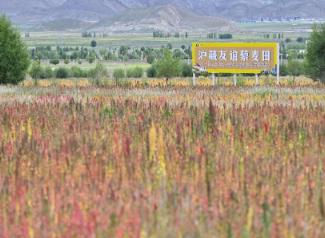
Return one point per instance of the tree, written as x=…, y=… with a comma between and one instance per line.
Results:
x=36, y=70
x=284, y=70
x=295, y=68
x=46, y=72
x=97, y=74
x=187, y=70
x=91, y=57
x=225, y=36
x=14, y=58
x=315, y=58
x=77, y=72
x=288, y=40
x=179, y=54
x=168, y=66
x=152, y=71
x=169, y=46
x=123, y=51
x=150, y=59
x=62, y=73
x=54, y=61
x=93, y=43
x=300, y=40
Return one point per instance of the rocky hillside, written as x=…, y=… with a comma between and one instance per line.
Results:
x=164, y=18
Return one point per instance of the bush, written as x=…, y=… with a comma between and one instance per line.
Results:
x=66, y=61
x=177, y=53
x=118, y=74
x=300, y=40
x=93, y=43
x=150, y=59
x=225, y=36
x=152, y=72
x=129, y=73
x=77, y=72
x=46, y=73
x=97, y=74
x=91, y=59
x=54, y=61
x=136, y=72
x=187, y=70
x=288, y=40
x=295, y=68
x=14, y=57
x=284, y=70
x=62, y=73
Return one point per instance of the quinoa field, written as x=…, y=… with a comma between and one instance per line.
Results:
x=174, y=161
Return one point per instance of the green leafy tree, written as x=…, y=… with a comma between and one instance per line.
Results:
x=315, y=58
x=152, y=71
x=54, y=61
x=168, y=66
x=284, y=70
x=62, y=73
x=36, y=70
x=14, y=58
x=136, y=72
x=300, y=40
x=93, y=43
x=187, y=70
x=77, y=72
x=123, y=51
x=46, y=73
x=150, y=59
x=225, y=36
x=295, y=68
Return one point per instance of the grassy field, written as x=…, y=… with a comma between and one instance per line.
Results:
x=168, y=161
x=245, y=31
x=109, y=65
x=113, y=41
x=289, y=27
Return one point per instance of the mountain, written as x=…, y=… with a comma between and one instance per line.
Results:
x=93, y=10
x=37, y=13
x=164, y=18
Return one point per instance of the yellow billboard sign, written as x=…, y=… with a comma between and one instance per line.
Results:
x=235, y=57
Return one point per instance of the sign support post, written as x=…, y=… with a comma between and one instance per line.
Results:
x=235, y=80
x=278, y=66
x=213, y=79
x=256, y=80
x=194, y=79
